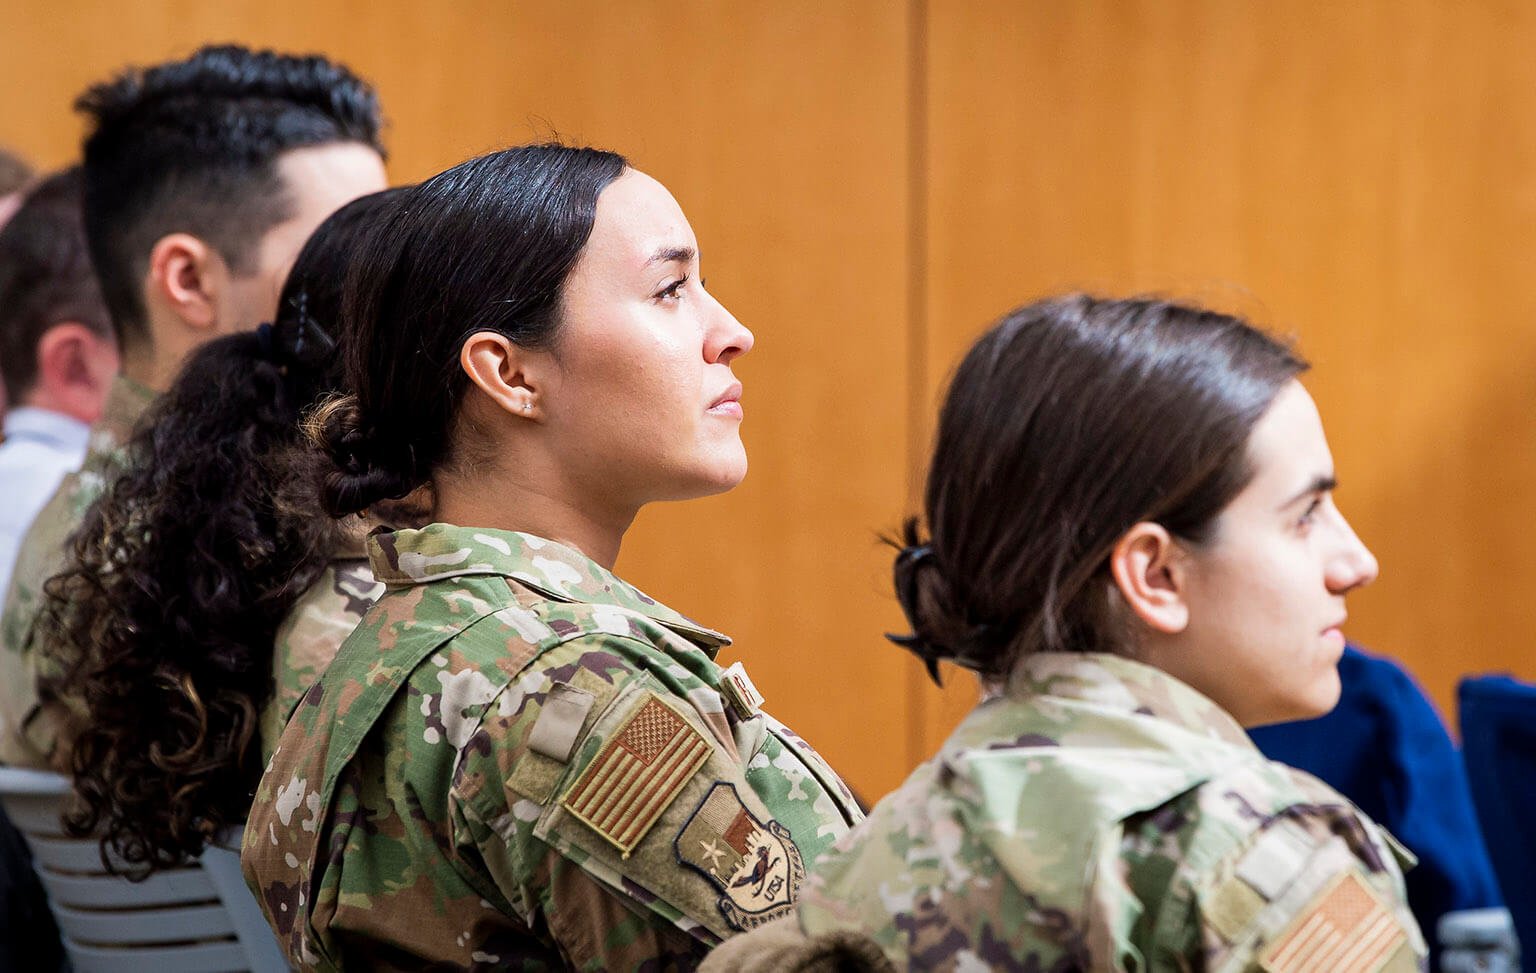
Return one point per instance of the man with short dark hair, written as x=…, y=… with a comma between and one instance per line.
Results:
x=57, y=352
x=203, y=178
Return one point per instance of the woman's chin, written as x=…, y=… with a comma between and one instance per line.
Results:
x=720, y=476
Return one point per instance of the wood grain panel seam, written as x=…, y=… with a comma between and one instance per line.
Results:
x=917, y=318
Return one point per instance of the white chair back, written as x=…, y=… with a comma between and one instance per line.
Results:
x=196, y=919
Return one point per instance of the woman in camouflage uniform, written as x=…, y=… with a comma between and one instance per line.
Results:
x=1132, y=539
x=206, y=582
x=519, y=761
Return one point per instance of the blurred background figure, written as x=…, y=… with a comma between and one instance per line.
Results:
x=14, y=176
x=57, y=352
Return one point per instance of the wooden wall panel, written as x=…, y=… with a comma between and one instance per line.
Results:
x=873, y=182
x=781, y=129
x=1362, y=175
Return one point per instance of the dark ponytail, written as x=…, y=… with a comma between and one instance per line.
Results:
x=1066, y=424
x=183, y=571
x=484, y=246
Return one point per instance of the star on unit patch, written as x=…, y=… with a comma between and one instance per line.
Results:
x=757, y=866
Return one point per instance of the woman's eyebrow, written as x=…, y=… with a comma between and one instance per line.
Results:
x=680, y=254
x=1322, y=483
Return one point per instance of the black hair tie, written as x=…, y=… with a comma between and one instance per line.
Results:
x=908, y=561
x=264, y=340
x=310, y=345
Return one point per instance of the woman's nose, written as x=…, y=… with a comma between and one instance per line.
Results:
x=727, y=338
x=1352, y=565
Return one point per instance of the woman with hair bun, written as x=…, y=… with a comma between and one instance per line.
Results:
x=518, y=760
x=1131, y=538
x=205, y=589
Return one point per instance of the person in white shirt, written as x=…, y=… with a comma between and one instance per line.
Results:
x=57, y=353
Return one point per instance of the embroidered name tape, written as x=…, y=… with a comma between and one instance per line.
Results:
x=1346, y=928
x=739, y=691
x=636, y=775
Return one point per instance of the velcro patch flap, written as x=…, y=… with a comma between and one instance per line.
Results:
x=740, y=692
x=1274, y=859
x=637, y=773
x=1345, y=928
x=558, y=727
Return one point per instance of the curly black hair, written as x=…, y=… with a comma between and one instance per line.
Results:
x=181, y=574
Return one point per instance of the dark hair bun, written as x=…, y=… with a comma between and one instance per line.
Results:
x=365, y=468
x=940, y=630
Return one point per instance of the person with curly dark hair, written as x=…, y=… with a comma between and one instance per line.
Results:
x=206, y=585
x=203, y=178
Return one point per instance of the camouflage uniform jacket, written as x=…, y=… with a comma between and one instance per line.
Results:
x=1109, y=817
x=315, y=628
x=518, y=761
x=28, y=731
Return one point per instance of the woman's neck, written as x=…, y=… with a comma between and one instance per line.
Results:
x=554, y=514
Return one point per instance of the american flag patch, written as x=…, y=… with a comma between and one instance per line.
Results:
x=637, y=774
x=1347, y=929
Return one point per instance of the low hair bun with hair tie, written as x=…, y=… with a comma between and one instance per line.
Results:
x=909, y=561
x=941, y=629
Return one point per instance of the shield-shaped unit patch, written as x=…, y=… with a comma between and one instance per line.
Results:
x=757, y=866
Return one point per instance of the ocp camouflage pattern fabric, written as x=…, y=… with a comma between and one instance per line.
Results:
x=518, y=761
x=316, y=626
x=29, y=731
x=1109, y=817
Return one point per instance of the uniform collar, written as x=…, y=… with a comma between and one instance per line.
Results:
x=126, y=402
x=406, y=557
x=1118, y=683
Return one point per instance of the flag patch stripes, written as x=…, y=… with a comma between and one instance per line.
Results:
x=637, y=774
x=1348, y=930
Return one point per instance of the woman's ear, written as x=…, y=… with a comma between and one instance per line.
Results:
x=1149, y=568
x=500, y=368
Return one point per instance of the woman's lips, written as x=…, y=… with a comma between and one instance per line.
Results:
x=729, y=403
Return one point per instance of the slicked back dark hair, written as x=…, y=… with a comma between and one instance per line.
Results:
x=192, y=146
x=485, y=246
x=45, y=278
